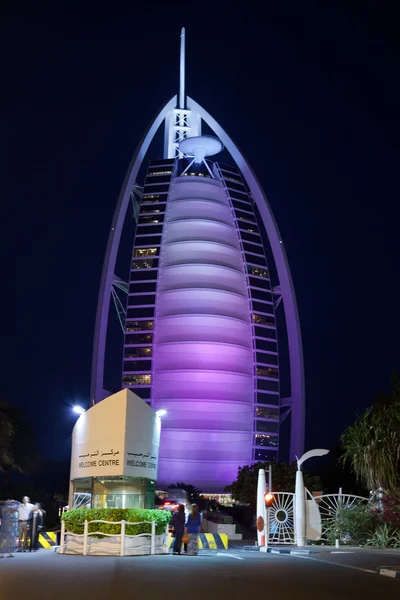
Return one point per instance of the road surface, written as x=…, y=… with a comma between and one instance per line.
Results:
x=232, y=575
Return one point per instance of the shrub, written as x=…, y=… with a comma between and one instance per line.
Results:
x=353, y=524
x=74, y=520
x=383, y=537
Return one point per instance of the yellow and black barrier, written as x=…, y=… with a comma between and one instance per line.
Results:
x=207, y=541
x=47, y=539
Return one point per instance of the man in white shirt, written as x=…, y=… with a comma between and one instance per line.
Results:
x=24, y=516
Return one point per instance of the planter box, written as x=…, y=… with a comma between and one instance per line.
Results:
x=135, y=545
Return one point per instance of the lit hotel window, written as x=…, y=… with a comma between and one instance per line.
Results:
x=137, y=379
x=265, y=412
x=263, y=320
x=139, y=325
x=265, y=440
x=267, y=372
x=146, y=252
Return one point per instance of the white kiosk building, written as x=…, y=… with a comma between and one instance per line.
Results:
x=114, y=458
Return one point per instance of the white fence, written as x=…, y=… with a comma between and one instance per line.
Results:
x=117, y=544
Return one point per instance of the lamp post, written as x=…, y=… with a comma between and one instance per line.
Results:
x=268, y=500
x=300, y=497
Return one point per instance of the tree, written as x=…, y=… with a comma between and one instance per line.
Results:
x=372, y=444
x=7, y=432
x=193, y=494
x=244, y=488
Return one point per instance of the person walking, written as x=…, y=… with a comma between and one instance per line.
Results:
x=9, y=528
x=178, y=524
x=35, y=526
x=193, y=524
x=24, y=517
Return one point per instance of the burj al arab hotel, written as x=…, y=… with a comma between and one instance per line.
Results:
x=199, y=327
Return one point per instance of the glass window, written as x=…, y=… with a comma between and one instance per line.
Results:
x=148, y=229
x=150, y=179
x=253, y=248
x=258, y=260
x=267, y=399
x=261, y=295
x=242, y=206
x=263, y=308
x=267, y=372
x=250, y=237
x=245, y=215
x=141, y=338
x=150, y=189
x=144, y=393
x=231, y=177
x=151, y=219
x=265, y=345
x=146, y=311
x=137, y=379
x=266, y=384
x=265, y=455
x=153, y=210
x=267, y=359
x=153, y=197
x=265, y=333
x=143, y=274
x=263, y=320
x=138, y=352
x=137, y=365
x=258, y=271
x=159, y=170
x=226, y=167
x=267, y=426
x=139, y=300
x=260, y=283
x=261, y=439
x=233, y=185
x=149, y=240
x=139, y=325
x=140, y=287
x=267, y=412
x=242, y=197
x=142, y=252
x=162, y=161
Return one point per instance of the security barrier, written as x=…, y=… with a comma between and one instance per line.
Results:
x=208, y=541
x=47, y=539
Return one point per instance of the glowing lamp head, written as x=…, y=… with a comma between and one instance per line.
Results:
x=161, y=412
x=78, y=410
x=269, y=498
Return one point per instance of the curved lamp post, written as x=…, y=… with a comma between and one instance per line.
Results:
x=300, y=497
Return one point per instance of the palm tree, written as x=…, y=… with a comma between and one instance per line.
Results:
x=372, y=444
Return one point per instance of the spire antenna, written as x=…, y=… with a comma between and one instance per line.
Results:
x=182, y=71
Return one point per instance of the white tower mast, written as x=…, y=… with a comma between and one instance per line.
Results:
x=182, y=71
x=180, y=123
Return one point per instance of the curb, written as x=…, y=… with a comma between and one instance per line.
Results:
x=393, y=572
x=270, y=550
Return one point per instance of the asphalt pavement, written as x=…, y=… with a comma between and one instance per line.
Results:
x=230, y=574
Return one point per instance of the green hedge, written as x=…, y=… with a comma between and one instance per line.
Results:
x=74, y=520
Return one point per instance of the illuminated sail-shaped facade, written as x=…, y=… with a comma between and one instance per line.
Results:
x=200, y=337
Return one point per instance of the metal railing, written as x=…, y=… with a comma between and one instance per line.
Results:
x=122, y=535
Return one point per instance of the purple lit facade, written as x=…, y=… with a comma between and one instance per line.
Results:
x=200, y=332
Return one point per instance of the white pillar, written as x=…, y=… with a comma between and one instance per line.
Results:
x=261, y=489
x=300, y=510
x=123, y=529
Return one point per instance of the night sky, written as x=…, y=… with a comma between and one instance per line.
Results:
x=309, y=91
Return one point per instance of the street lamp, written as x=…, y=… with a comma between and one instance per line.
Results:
x=79, y=410
x=300, y=496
